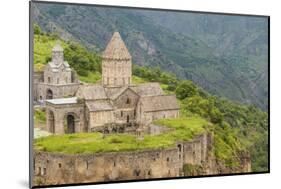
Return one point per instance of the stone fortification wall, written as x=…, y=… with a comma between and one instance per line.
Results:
x=55, y=168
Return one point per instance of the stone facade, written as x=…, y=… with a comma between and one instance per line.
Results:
x=99, y=106
x=116, y=63
x=52, y=91
x=57, y=80
x=67, y=117
x=55, y=168
x=116, y=101
x=160, y=163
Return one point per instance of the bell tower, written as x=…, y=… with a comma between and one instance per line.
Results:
x=116, y=63
x=57, y=54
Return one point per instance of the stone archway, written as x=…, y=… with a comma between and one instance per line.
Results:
x=49, y=94
x=51, y=120
x=71, y=121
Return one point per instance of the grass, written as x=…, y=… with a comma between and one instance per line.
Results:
x=187, y=125
x=184, y=129
x=39, y=116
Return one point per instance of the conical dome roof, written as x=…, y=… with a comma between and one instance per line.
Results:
x=116, y=48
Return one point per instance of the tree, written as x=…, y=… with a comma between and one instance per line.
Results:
x=204, y=107
x=36, y=29
x=185, y=89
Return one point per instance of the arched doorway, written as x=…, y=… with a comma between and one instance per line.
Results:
x=51, y=119
x=70, y=123
x=49, y=94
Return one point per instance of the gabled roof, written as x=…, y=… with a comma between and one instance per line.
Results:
x=148, y=89
x=159, y=103
x=55, y=67
x=115, y=92
x=112, y=92
x=91, y=92
x=116, y=48
x=98, y=105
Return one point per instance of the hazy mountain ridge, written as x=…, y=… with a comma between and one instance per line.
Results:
x=225, y=61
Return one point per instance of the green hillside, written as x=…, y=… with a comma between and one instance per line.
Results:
x=225, y=55
x=83, y=61
x=237, y=127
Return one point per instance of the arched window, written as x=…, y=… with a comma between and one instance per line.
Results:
x=49, y=94
x=121, y=113
x=128, y=101
x=49, y=80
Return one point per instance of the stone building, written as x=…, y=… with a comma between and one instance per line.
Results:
x=115, y=105
x=116, y=63
x=57, y=80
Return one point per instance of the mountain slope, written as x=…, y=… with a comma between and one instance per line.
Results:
x=237, y=128
x=218, y=57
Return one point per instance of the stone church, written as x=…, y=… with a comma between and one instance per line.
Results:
x=114, y=105
x=57, y=80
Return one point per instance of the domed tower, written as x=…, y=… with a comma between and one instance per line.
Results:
x=58, y=71
x=116, y=63
x=57, y=54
